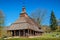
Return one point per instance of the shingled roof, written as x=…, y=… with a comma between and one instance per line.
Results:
x=24, y=22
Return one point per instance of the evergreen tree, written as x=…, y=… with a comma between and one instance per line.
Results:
x=53, y=21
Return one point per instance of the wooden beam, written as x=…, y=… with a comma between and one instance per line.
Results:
x=33, y=33
x=11, y=33
x=23, y=32
x=19, y=32
x=14, y=33
x=28, y=32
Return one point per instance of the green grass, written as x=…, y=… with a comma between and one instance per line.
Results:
x=34, y=39
x=45, y=36
x=39, y=38
x=51, y=35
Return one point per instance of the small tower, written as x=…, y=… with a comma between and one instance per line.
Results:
x=23, y=13
x=23, y=10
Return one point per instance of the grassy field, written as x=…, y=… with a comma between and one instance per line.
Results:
x=33, y=39
x=51, y=35
x=45, y=36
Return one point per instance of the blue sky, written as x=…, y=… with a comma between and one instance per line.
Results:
x=12, y=8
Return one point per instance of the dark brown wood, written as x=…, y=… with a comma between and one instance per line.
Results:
x=14, y=33
x=33, y=33
x=19, y=32
x=11, y=33
x=30, y=32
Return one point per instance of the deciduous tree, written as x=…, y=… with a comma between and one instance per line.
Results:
x=1, y=22
x=39, y=15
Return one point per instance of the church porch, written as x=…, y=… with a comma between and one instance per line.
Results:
x=24, y=32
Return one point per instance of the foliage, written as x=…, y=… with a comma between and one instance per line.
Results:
x=58, y=30
x=46, y=28
x=53, y=21
x=1, y=22
x=51, y=35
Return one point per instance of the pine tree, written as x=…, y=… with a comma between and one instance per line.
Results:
x=53, y=22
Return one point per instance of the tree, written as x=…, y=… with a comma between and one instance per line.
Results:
x=53, y=21
x=38, y=15
x=1, y=22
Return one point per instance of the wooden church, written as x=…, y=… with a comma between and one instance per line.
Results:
x=24, y=26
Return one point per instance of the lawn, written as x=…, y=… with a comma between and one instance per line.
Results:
x=33, y=39
x=45, y=36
